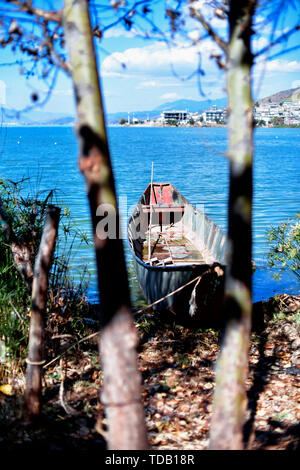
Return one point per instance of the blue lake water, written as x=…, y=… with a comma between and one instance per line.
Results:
x=193, y=160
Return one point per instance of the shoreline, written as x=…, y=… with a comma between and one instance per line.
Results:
x=152, y=126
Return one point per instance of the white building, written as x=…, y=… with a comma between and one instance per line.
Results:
x=287, y=111
x=195, y=116
x=214, y=115
x=173, y=116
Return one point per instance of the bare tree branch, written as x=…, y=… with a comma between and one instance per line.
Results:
x=284, y=51
x=279, y=40
x=195, y=13
x=26, y=7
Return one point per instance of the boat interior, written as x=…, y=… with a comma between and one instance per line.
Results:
x=167, y=244
x=166, y=230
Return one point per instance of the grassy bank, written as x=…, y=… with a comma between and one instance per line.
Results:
x=67, y=306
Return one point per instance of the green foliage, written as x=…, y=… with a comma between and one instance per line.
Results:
x=277, y=121
x=122, y=121
x=282, y=416
x=183, y=359
x=26, y=216
x=145, y=324
x=284, y=243
x=278, y=316
x=259, y=123
x=296, y=318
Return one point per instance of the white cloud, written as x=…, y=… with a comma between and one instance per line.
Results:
x=259, y=43
x=149, y=84
x=283, y=66
x=162, y=83
x=106, y=73
x=198, y=5
x=275, y=68
x=119, y=32
x=158, y=59
x=170, y=96
x=67, y=92
x=195, y=35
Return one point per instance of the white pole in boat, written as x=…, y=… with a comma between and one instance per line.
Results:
x=150, y=219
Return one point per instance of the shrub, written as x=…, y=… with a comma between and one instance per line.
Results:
x=66, y=300
x=284, y=243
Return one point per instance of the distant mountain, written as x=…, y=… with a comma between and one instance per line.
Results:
x=33, y=118
x=292, y=93
x=63, y=121
x=43, y=117
x=192, y=106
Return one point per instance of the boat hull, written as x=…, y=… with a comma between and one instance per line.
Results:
x=201, y=299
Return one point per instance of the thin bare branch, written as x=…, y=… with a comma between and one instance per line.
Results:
x=283, y=37
x=211, y=32
x=284, y=51
x=26, y=7
x=49, y=42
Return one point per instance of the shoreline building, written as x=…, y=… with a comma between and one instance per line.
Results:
x=214, y=115
x=174, y=116
x=287, y=112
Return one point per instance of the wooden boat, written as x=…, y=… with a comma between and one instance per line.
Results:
x=174, y=244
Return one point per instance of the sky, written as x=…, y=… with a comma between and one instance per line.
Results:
x=141, y=74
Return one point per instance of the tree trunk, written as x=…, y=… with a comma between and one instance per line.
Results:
x=35, y=358
x=230, y=394
x=118, y=340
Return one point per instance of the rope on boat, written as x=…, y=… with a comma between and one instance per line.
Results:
x=168, y=295
x=135, y=313
x=71, y=347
